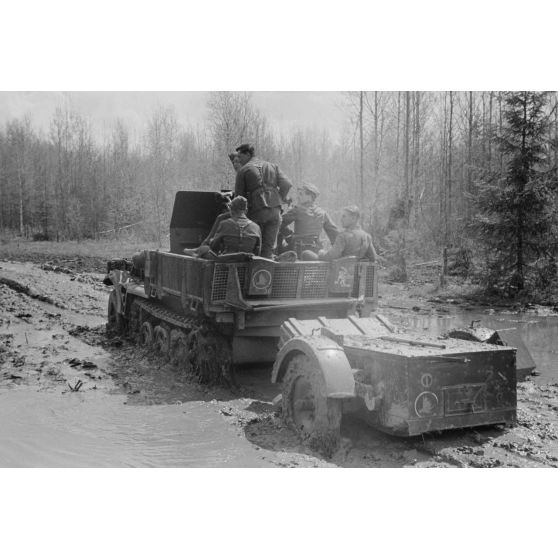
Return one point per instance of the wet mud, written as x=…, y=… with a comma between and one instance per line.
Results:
x=72, y=396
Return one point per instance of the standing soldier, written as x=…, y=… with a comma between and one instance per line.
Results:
x=352, y=241
x=265, y=187
x=309, y=220
x=235, y=161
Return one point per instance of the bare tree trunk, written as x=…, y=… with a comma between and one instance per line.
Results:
x=450, y=163
x=500, y=129
x=21, y=227
x=2, y=195
x=490, y=134
x=407, y=141
x=397, y=138
x=520, y=209
x=469, y=187
x=361, y=137
x=484, y=127
x=21, y=181
x=376, y=150
x=443, y=171
x=416, y=153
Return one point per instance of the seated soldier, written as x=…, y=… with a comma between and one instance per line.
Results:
x=352, y=240
x=225, y=214
x=238, y=233
x=227, y=196
x=309, y=220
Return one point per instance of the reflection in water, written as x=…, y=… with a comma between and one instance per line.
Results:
x=540, y=334
x=95, y=429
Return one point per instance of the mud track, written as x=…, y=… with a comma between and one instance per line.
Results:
x=53, y=346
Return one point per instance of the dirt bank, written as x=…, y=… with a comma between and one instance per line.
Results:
x=52, y=341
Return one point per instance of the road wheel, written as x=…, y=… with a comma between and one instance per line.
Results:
x=209, y=357
x=178, y=347
x=115, y=321
x=134, y=319
x=146, y=337
x=161, y=339
x=306, y=409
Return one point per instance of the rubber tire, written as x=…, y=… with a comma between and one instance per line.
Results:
x=322, y=433
x=161, y=339
x=146, y=337
x=115, y=320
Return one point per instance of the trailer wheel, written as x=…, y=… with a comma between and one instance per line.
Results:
x=115, y=321
x=315, y=417
x=146, y=334
x=161, y=339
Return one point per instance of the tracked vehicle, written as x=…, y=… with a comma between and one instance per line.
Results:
x=317, y=322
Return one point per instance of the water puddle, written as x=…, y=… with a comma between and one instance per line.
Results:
x=540, y=334
x=97, y=429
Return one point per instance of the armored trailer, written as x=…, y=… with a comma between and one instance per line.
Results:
x=403, y=384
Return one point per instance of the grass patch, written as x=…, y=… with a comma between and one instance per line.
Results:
x=89, y=255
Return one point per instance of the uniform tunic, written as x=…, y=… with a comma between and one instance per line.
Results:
x=352, y=241
x=309, y=221
x=217, y=222
x=237, y=234
x=264, y=185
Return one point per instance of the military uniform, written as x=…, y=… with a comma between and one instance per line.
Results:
x=265, y=186
x=309, y=221
x=237, y=234
x=219, y=219
x=352, y=241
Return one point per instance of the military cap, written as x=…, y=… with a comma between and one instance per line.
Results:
x=239, y=203
x=246, y=148
x=310, y=188
x=353, y=210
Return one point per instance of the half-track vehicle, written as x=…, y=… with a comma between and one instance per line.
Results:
x=318, y=323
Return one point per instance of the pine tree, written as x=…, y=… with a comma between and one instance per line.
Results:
x=516, y=210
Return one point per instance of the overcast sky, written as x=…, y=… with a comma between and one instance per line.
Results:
x=284, y=110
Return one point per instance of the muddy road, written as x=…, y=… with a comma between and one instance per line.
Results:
x=71, y=396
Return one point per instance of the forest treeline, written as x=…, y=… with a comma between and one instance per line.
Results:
x=472, y=170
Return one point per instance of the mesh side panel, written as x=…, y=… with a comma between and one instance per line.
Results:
x=219, y=284
x=242, y=276
x=285, y=281
x=220, y=277
x=314, y=283
x=356, y=283
x=369, y=290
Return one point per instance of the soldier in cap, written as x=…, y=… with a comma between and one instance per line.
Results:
x=266, y=187
x=309, y=220
x=238, y=233
x=235, y=161
x=352, y=240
